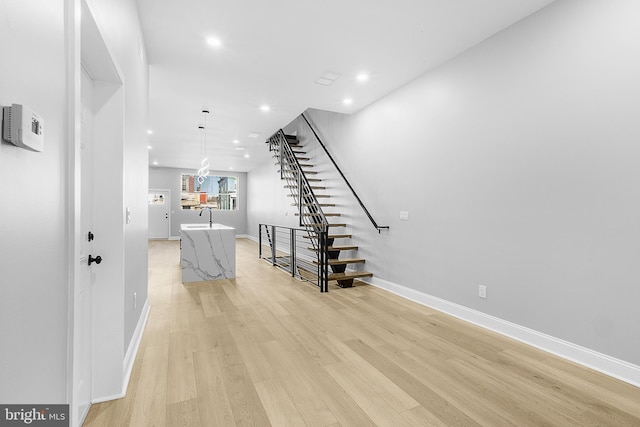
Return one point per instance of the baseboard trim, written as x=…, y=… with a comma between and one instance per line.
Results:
x=603, y=363
x=134, y=346
x=130, y=357
x=174, y=237
x=250, y=237
x=108, y=398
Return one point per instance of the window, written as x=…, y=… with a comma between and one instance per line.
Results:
x=215, y=192
x=156, y=199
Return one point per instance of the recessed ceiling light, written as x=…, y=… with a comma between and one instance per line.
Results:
x=214, y=42
x=149, y=131
x=149, y=147
x=231, y=167
x=246, y=156
x=362, y=77
x=235, y=141
x=265, y=108
x=155, y=163
x=347, y=101
x=253, y=134
x=240, y=148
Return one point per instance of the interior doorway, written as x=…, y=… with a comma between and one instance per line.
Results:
x=159, y=214
x=96, y=188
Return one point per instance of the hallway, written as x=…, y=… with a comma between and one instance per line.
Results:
x=265, y=349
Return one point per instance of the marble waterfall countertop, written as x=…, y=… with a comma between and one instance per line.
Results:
x=207, y=252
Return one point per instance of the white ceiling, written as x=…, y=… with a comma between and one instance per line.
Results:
x=274, y=51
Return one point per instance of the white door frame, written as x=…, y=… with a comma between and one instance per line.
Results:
x=168, y=209
x=85, y=45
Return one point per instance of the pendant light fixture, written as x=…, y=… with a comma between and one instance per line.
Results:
x=203, y=172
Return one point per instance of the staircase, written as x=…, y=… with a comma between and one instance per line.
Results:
x=322, y=228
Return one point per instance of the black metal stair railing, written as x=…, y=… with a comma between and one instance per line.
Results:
x=287, y=249
x=310, y=213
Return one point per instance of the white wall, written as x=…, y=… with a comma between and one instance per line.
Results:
x=517, y=162
x=267, y=200
x=169, y=179
x=34, y=219
x=33, y=237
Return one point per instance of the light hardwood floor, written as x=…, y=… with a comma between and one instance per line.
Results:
x=265, y=349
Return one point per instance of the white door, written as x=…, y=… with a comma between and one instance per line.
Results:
x=87, y=277
x=159, y=214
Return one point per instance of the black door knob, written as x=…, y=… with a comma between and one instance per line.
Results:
x=97, y=259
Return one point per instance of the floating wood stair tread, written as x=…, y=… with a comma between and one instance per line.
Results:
x=318, y=214
x=317, y=225
x=349, y=275
x=337, y=248
x=331, y=236
x=292, y=175
x=293, y=147
x=312, y=275
x=326, y=205
x=309, y=195
x=287, y=170
x=344, y=261
x=313, y=187
x=302, y=165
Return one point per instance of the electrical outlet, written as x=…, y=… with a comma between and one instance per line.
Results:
x=482, y=291
x=404, y=215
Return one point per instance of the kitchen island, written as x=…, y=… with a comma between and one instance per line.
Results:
x=207, y=252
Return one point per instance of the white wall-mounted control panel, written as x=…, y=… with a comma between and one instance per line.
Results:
x=23, y=127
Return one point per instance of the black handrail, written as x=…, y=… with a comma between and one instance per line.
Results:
x=283, y=147
x=366, y=211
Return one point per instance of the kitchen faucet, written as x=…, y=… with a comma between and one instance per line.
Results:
x=210, y=216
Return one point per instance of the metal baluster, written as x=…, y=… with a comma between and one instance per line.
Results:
x=293, y=252
x=300, y=197
x=273, y=245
